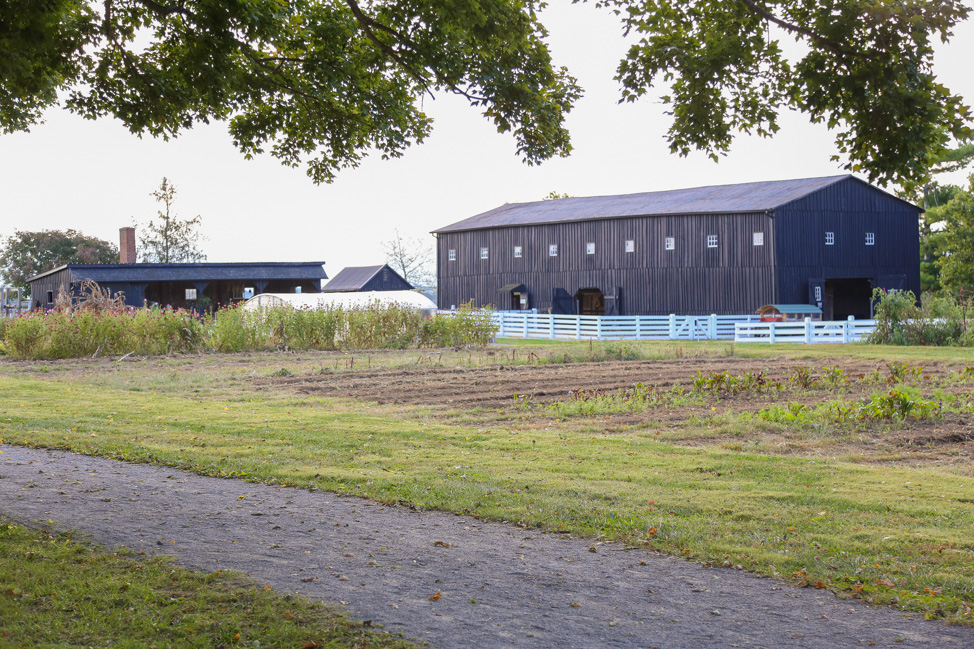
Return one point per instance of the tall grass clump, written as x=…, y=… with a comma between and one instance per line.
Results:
x=940, y=320
x=465, y=327
x=234, y=329
x=79, y=332
x=89, y=332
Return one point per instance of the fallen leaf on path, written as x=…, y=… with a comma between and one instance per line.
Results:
x=435, y=597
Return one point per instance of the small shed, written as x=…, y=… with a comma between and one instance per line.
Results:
x=410, y=299
x=355, y=279
x=789, y=312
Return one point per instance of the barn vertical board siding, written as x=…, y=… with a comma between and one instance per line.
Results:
x=849, y=209
x=735, y=277
x=689, y=279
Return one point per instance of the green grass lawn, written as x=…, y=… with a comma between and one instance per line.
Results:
x=47, y=600
x=889, y=534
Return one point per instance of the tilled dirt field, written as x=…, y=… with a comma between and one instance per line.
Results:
x=945, y=439
x=495, y=387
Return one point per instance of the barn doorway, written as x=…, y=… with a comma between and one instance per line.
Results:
x=591, y=301
x=846, y=297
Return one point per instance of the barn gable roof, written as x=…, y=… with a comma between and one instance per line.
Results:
x=191, y=272
x=715, y=199
x=355, y=278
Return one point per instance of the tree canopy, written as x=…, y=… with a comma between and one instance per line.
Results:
x=169, y=239
x=865, y=70
x=957, y=265
x=321, y=83
x=25, y=254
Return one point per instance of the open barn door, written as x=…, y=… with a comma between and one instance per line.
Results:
x=562, y=302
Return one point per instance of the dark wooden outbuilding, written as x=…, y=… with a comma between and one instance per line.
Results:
x=180, y=285
x=354, y=279
x=722, y=249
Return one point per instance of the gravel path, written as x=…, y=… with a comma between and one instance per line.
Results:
x=500, y=586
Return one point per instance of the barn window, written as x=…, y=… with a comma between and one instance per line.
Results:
x=589, y=248
x=553, y=250
x=483, y=253
x=191, y=294
x=711, y=240
x=669, y=243
x=759, y=238
x=630, y=246
x=50, y=297
x=870, y=238
x=452, y=255
x=518, y=252
x=830, y=238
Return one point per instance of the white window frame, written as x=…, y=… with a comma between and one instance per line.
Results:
x=518, y=252
x=552, y=249
x=484, y=253
x=758, y=239
x=190, y=294
x=452, y=254
x=669, y=243
x=830, y=238
x=870, y=238
x=590, y=248
x=630, y=245
x=712, y=241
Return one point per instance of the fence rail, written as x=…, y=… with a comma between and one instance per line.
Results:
x=739, y=328
x=808, y=332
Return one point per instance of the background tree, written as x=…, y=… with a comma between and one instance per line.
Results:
x=321, y=83
x=170, y=240
x=957, y=263
x=414, y=259
x=25, y=254
x=934, y=197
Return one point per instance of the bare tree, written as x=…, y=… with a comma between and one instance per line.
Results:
x=413, y=258
x=170, y=240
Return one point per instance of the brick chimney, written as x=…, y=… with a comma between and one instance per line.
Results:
x=126, y=248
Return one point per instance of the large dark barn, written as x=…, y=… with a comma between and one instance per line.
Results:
x=723, y=249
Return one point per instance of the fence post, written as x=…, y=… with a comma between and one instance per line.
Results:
x=551, y=326
x=525, y=325
x=672, y=326
x=598, y=328
x=809, y=331
x=771, y=335
x=578, y=327
x=713, y=326
x=500, y=328
x=849, y=328
x=639, y=333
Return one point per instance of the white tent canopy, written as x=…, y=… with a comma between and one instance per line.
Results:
x=409, y=299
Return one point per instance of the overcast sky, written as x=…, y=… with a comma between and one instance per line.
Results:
x=96, y=177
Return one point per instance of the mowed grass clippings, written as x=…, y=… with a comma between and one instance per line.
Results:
x=887, y=534
x=58, y=592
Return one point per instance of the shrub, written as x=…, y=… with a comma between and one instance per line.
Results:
x=899, y=321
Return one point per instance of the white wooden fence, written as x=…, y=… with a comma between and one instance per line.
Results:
x=807, y=332
x=739, y=328
x=521, y=324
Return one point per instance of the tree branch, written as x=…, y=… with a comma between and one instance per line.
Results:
x=817, y=38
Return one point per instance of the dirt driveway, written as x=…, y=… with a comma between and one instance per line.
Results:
x=499, y=586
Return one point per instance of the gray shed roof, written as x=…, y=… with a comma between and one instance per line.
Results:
x=192, y=272
x=715, y=199
x=354, y=278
